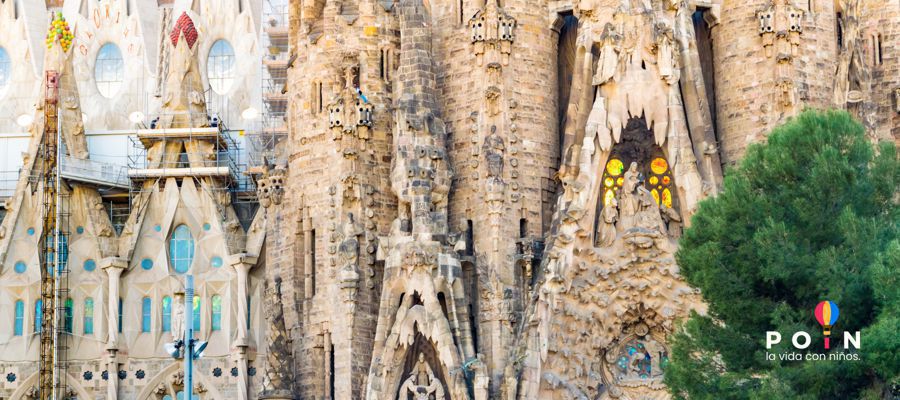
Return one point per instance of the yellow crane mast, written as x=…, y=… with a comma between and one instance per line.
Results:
x=49, y=241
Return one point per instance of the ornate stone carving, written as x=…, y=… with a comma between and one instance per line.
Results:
x=278, y=376
x=349, y=112
x=492, y=27
x=421, y=383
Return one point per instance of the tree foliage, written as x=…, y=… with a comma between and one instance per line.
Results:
x=810, y=215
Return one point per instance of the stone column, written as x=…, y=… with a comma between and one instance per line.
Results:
x=242, y=264
x=308, y=265
x=113, y=267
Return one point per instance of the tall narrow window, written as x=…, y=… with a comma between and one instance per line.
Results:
x=321, y=98
x=109, y=70
x=216, y=312
x=248, y=312
x=196, y=313
x=38, y=315
x=220, y=66
x=69, y=315
x=5, y=68
x=20, y=317
x=166, y=314
x=120, y=315
x=145, y=314
x=181, y=249
x=88, y=316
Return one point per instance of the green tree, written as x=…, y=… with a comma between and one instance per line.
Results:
x=810, y=215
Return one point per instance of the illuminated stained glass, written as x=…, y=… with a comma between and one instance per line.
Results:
x=666, y=180
x=659, y=165
x=654, y=180
x=608, y=181
x=608, y=197
x=615, y=167
x=655, y=195
x=619, y=181
x=667, y=197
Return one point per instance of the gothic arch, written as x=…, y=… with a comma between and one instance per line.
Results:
x=25, y=386
x=148, y=393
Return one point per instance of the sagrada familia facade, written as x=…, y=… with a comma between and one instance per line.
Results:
x=389, y=199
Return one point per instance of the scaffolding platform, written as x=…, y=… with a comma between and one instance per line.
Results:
x=148, y=136
x=94, y=172
x=153, y=173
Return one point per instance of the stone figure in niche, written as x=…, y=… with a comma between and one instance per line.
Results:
x=349, y=253
x=672, y=221
x=628, y=204
x=648, y=216
x=178, y=319
x=493, y=149
x=609, y=55
x=421, y=383
x=607, y=233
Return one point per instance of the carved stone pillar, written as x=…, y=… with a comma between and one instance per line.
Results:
x=113, y=267
x=279, y=361
x=242, y=264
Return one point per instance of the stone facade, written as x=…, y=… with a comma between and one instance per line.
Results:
x=478, y=199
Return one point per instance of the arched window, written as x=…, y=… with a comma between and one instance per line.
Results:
x=5, y=68
x=220, y=66
x=166, y=314
x=637, y=147
x=181, y=249
x=88, y=316
x=69, y=315
x=216, y=312
x=145, y=314
x=63, y=252
x=109, y=70
x=196, y=313
x=38, y=315
x=20, y=317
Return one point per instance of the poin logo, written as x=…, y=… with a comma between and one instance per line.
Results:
x=826, y=313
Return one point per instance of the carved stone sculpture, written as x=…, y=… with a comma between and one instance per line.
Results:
x=494, y=149
x=607, y=232
x=278, y=377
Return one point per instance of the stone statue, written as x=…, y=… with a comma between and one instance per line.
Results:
x=672, y=221
x=648, y=217
x=493, y=149
x=421, y=382
x=606, y=235
x=178, y=318
x=628, y=203
x=278, y=377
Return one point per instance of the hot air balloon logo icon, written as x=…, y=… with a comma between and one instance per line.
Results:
x=827, y=314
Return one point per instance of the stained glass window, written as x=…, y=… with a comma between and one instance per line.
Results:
x=220, y=67
x=5, y=68
x=196, y=313
x=181, y=249
x=88, y=316
x=660, y=181
x=166, y=314
x=109, y=70
x=20, y=317
x=69, y=315
x=38, y=315
x=216, y=312
x=145, y=314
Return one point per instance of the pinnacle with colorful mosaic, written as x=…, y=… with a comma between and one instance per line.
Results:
x=59, y=31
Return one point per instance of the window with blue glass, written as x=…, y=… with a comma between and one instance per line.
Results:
x=88, y=316
x=20, y=317
x=38, y=315
x=145, y=314
x=166, y=314
x=69, y=315
x=181, y=249
x=5, y=68
x=196, y=313
x=120, y=315
x=109, y=70
x=248, y=312
x=20, y=267
x=62, y=247
x=216, y=313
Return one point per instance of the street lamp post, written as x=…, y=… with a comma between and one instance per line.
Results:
x=188, y=337
x=189, y=348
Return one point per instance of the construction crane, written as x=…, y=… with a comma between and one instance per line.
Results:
x=51, y=248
